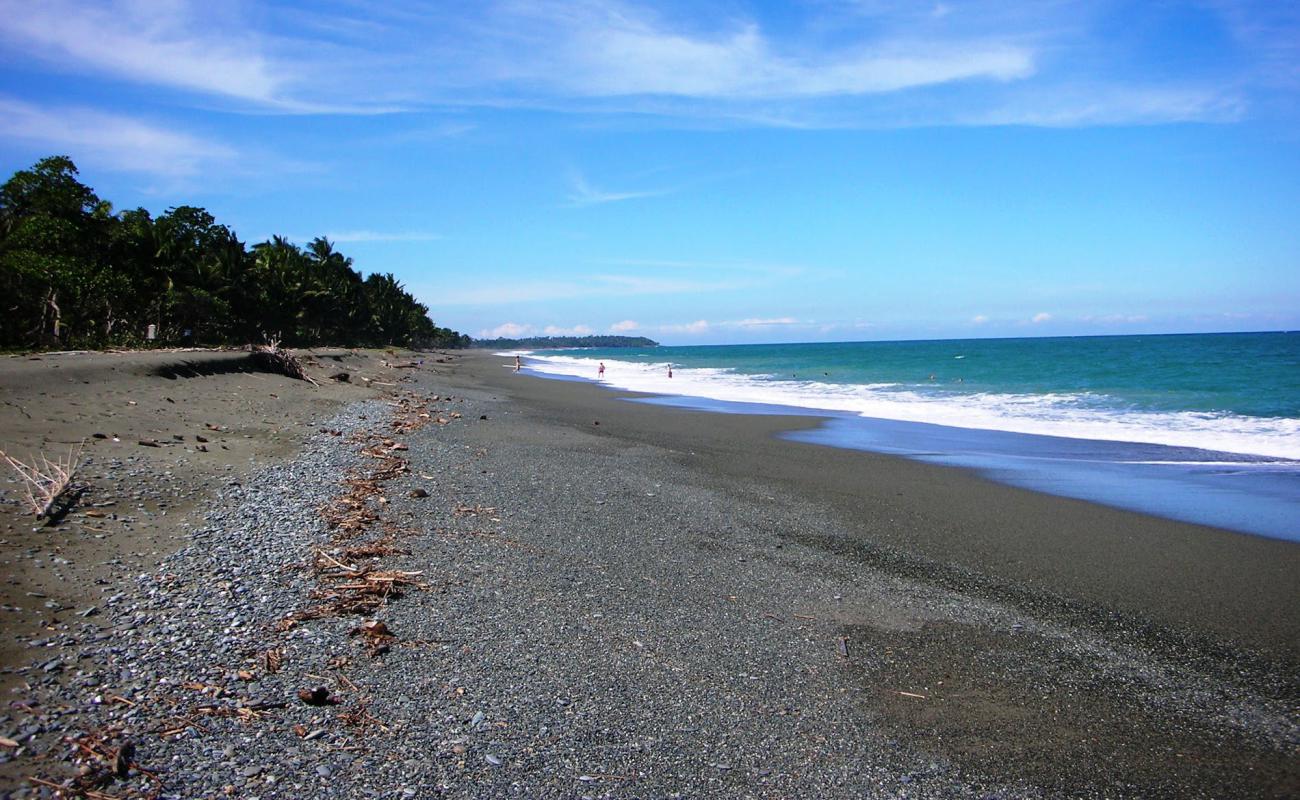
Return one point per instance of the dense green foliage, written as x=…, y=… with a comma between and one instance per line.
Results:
x=75, y=274
x=554, y=342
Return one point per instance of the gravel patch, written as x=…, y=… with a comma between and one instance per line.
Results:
x=165, y=675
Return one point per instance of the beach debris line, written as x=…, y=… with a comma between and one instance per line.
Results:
x=46, y=483
x=351, y=579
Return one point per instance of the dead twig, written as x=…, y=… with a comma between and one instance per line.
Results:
x=48, y=481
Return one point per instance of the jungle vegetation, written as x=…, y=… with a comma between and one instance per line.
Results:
x=74, y=273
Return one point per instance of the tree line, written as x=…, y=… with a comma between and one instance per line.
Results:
x=74, y=273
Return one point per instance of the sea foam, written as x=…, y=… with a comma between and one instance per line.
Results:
x=1075, y=416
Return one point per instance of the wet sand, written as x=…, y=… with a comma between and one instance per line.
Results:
x=950, y=525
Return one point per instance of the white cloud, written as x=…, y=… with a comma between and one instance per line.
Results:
x=614, y=50
x=114, y=141
x=979, y=319
x=761, y=323
x=887, y=64
x=507, y=330
x=381, y=57
x=1040, y=317
x=624, y=326
x=576, y=330
x=230, y=51
x=699, y=326
x=168, y=43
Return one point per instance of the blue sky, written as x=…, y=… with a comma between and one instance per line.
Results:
x=710, y=172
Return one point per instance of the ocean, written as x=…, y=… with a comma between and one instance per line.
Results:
x=1199, y=427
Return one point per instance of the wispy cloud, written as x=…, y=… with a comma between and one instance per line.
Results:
x=114, y=141
x=583, y=193
x=604, y=48
x=1040, y=318
x=215, y=50
x=833, y=64
x=164, y=43
x=1270, y=31
x=1076, y=106
x=623, y=326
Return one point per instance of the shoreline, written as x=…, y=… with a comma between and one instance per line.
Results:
x=1238, y=492
x=666, y=602
x=1192, y=577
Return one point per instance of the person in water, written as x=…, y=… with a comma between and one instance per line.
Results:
x=670, y=370
x=600, y=373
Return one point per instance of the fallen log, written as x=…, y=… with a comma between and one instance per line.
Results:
x=273, y=358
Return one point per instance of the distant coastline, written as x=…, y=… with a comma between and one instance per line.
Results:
x=561, y=342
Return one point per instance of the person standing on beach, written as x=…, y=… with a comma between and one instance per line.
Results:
x=517, y=364
x=670, y=370
x=600, y=373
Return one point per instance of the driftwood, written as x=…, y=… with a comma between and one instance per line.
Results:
x=47, y=481
x=274, y=358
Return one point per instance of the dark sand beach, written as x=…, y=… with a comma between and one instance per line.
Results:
x=610, y=598
x=157, y=432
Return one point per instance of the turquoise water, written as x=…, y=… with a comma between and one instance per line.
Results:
x=1237, y=393
x=1201, y=427
x=1246, y=373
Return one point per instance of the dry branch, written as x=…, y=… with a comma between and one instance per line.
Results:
x=273, y=358
x=45, y=482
